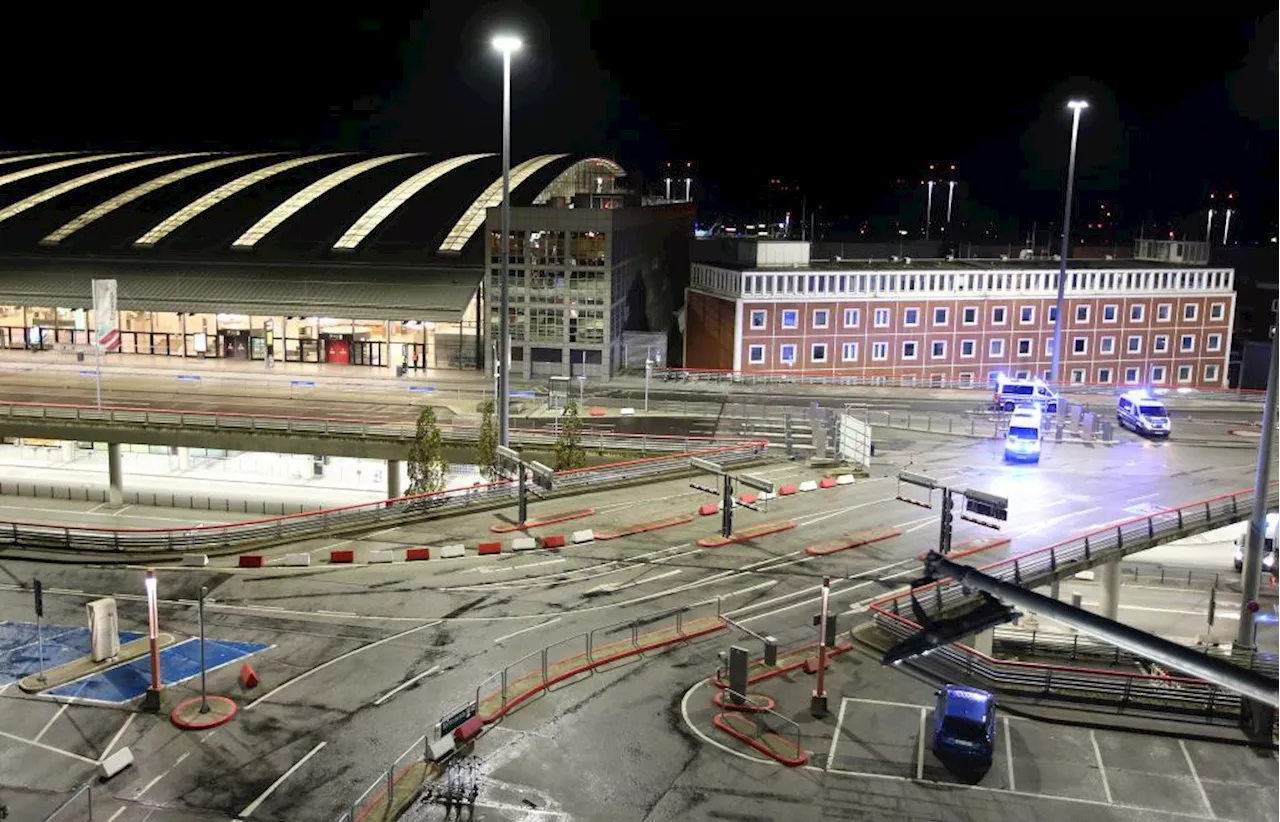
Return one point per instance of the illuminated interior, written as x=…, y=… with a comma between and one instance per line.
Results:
x=19, y=157
x=306, y=196
x=595, y=174
x=87, y=179
x=207, y=201
x=73, y=161
x=473, y=218
x=397, y=197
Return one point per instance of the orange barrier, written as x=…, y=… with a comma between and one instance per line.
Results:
x=706, y=509
x=854, y=540
x=414, y=554
x=643, y=527
x=252, y=561
x=248, y=677
x=553, y=541
x=827, y=482
x=747, y=534
x=342, y=556
x=748, y=499
x=788, y=490
x=486, y=548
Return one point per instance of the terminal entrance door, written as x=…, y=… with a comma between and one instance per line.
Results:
x=337, y=350
x=364, y=352
x=234, y=344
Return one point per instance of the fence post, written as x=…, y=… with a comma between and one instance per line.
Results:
x=1086, y=546
x=680, y=622
x=391, y=786
x=1124, y=699
x=544, y=665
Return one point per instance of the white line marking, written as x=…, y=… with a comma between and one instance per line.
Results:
x=1195, y=776
x=819, y=516
x=1144, y=496
x=1102, y=770
x=1225, y=609
x=153, y=782
x=128, y=720
x=397, y=689
x=116, y=815
x=1008, y=754
x=95, y=508
x=48, y=748
x=928, y=521
x=253, y=806
x=920, y=748
x=684, y=712
x=336, y=613
x=619, y=586
x=835, y=737
x=525, y=630
x=336, y=660
x=121, y=510
x=52, y=720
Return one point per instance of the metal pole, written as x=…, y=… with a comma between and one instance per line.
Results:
x=818, y=705
x=1258, y=520
x=40, y=644
x=1066, y=246
x=504, y=341
x=726, y=509
x=204, y=693
x=97, y=371
x=648, y=371
x=152, y=700
x=522, y=495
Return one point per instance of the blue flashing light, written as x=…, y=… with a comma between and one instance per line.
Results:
x=1138, y=394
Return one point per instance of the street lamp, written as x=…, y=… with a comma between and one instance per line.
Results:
x=1076, y=107
x=648, y=372
x=151, y=702
x=508, y=45
x=902, y=233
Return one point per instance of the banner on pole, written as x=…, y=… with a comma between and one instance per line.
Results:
x=105, y=317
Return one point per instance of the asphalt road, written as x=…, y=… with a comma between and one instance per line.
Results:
x=365, y=658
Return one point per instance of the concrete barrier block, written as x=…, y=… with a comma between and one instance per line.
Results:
x=442, y=747
x=809, y=485
x=417, y=554
x=115, y=763
x=297, y=560
x=345, y=555
x=553, y=541
x=382, y=556
x=788, y=490
x=706, y=509
x=523, y=544
x=252, y=561
x=485, y=549
x=1087, y=576
x=586, y=535
x=627, y=412
x=453, y=551
x=844, y=479
x=765, y=496
x=827, y=482
x=198, y=560
x=749, y=499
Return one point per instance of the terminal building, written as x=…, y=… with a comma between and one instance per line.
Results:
x=765, y=307
x=367, y=260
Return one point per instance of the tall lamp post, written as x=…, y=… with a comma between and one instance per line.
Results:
x=508, y=45
x=151, y=702
x=1076, y=107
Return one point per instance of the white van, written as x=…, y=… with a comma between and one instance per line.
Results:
x=1143, y=414
x=1268, y=544
x=1022, y=440
x=1011, y=394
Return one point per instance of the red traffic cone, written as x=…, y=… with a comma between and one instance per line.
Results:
x=248, y=677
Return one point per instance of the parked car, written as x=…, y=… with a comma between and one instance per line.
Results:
x=964, y=725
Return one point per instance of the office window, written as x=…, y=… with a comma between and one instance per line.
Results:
x=787, y=353
x=1082, y=313
x=1157, y=373
x=1217, y=311
x=790, y=318
x=818, y=353
x=1024, y=347
x=1022, y=375
x=997, y=348
x=755, y=354
x=1136, y=313
x=967, y=348
x=1104, y=375
x=759, y=319
x=879, y=351
x=1053, y=314
x=1189, y=312
x=998, y=315
x=940, y=316
x=939, y=349
x=1077, y=375
x=1027, y=314
x=849, y=352
x=1109, y=313
x=1130, y=375
x=1164, y=312
x=909, y=350
x=911, y=316
x=1048, y=347
x=1080, y=345
x=1184, y=373
x=1211, y=373
x=821, y=317
x=970, y=315
x=1213, y=342
x=1187, y=343
x=1107, y=345
x=851, y=317
x=965, y=378
x=1160, y=344
x=1134, y=345
x=882, y=318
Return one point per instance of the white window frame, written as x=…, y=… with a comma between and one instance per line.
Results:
x=813, y=350
x=1115, y=312
x=1030, y=319
x=1183, y=348
x=1128, y=344
x=1048, y=346
x=915, y=349
x=1211, y=372
x=849, y=352
x=907, y=322
x=973, y=349
x=795, y=318
x=1004, y=315
x=782, y=354
x=1022, y=375
x=883, y=349
x=933, y=350
x=1104, y=376
x=946, y=316
x=751, y=354
x=763, y=315
x=1158, y=374
x=1167, y=310
x=1213, y=342
x=1190, y=312
x=1160, y=344
x=1051, y=316
x=825, y=313
x=1217, y=311
x=967, y=312
x=1085, y=309
x=996, y=347
x=1077, y=376
x=855, y=313
x=1137, y=313
x=1107, y=345
x=1186, y=373
x=1031, y=343
x=1131, y=375
x=1077, y=349
x=881, y=313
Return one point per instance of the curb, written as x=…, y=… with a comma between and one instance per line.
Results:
x=855, y=540
x=770, y=673
x=721, y=722
x=201, y=724
x=747, y=535
x=563, y=516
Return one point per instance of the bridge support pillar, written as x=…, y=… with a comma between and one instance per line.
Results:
x=184, y=458
x=68, y=450
x=393, y=479
x=984, y=641
x=1110, y=599
x=115, y=476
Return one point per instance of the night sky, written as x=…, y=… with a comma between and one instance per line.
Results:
x=1184, y=99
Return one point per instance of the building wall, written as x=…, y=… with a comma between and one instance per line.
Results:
x=709, y=331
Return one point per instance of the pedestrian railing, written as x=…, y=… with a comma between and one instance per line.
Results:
x=350, y=518
x=394, y=788
x=1036, y=568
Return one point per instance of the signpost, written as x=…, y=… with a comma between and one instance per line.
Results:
x=543, y=477
x=987, y=510
x=726, y=490
x=38, y=589
x=106, y=326
x=457, y=719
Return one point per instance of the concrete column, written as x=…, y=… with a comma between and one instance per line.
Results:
x=184, y=458
x=1110, y=598
x=1054, y=589
x=115, y=475
x=984, y=642
x=68, y=450
x=393, y=479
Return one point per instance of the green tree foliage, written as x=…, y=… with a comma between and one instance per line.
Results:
x=569, y=450
x=487, y=442
x=428, y=469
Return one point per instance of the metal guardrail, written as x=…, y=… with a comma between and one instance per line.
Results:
x=254, y=533
x=1037, y=567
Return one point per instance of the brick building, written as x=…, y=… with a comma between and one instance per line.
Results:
x=776, y=311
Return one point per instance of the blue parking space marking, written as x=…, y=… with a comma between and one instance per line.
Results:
x=20, y=652
x=178, y=663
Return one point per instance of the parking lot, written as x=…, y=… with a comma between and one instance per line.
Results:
x=1144, y=772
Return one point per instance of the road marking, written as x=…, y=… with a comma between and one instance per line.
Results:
x=336, y=660
x=1141, y=498
x=1195, y=776
x=920, y=748
x=153, y=782
x=116, y=815
x=253, y=806
x=92, y=510
x=128, y=720
x=619, y=586
x=48, y=748
x=525, y=630
x=835, y=737
x=925, y=524
x=336, y=613
x=52, y=720
x=1223, y=610
x=121, y=510
x=819, y=516
x=817, y=588
x=397, y=689
x=1102, y=770
x=1043, y=524
x=1008, y=753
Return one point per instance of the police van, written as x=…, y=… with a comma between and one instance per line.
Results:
x=1138, y=411
x=1011, y=394
x=1022, y=440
